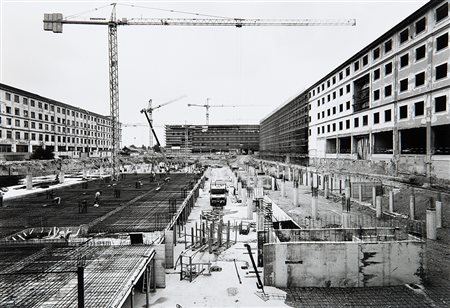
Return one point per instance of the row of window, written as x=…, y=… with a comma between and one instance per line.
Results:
x=440, y=105
x=419, y=27
x=45, y=117
x=51, y=138
x=45, y=106
x=32, y=125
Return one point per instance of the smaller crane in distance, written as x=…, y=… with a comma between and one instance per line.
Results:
x=208, y=105
x=150, y=114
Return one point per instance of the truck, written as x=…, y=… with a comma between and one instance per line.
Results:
x=218, y=194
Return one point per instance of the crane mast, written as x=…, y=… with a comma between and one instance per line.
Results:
x=54, y=22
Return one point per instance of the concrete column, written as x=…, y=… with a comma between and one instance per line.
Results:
x=412, y=206
x=346, y=220
x=283, y=188
x=244, y=195
x=295, y=195
x=360, y=192
x=379, y=206
x=374, y=195
x=61, y=176
x=29, y=181
x=438, y=214
x=273, y=183
x=326, y=183
x=278, y=171
x=249, y=208
x=431, y=224
x=239, y=189
x=168, y=247
x=391, y=200
x=347, y=192
x=289, y=174
x=314, y=211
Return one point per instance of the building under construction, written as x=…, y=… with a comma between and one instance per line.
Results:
x=284, y=132
x=213, y=138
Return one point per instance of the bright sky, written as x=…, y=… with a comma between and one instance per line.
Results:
x=259, y=66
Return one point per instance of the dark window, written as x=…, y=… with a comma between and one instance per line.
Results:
x=334, y=110
x=376, y=118
x=419, y=109
x=441, y=71
x=403, y=112
x=347, y=124
x=341, y=125
x=356, y=65
x=440, y=103
x=328, y=83
x=328, y=112
x=442, y=41
x=376, y=95
x=365, y=60
x=403, y=84
x=347, y=105
x=420, y=79
x=341, y=75
x=341, y=107
x=376, y=74
x=376, y=53
x=8, y=96
x=387, y=115
x=404, y=35
x=16, y=98
x=365, y=120
x=441, y=12
x=334, y=80
x=347, y=71
x=334, y=127
x=356, y=122
x=420, y=52
x=334, y=95
x=420, y=25
x=348, y=88
x=388, y=46
x=387, y=90
x=388, y=68
x=404, y=60
x=318, y=131
x=341, y=91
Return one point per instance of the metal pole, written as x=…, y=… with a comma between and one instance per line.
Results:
x=80, y=273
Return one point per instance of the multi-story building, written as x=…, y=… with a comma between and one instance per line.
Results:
x=213, y=138
x=389, y=103
x=386, y=109
x=284, y=132
x=29, y=121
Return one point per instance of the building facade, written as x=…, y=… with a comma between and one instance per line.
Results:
x=29, y=121
x=284, y=132
x=389, y=103
x=213, y=138
x=385, y=109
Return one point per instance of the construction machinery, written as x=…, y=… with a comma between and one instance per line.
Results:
x=166, y=162
x=54, y=22
x=150, y=110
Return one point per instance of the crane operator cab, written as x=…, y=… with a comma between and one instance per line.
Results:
x=218, y=194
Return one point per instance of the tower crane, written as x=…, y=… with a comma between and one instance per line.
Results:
x=208, y=105
x=55, y=21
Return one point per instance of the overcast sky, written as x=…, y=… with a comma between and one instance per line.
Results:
x=260, y=66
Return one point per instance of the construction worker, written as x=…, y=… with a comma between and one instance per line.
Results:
x=97, y=198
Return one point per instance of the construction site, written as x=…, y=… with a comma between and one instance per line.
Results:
x=337, y=197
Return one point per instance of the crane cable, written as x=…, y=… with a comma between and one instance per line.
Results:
x=88, y=11
x=173, y=11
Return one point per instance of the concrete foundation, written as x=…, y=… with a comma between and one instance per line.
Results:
x=391, y=201
x=379, y=206
x=343, y=264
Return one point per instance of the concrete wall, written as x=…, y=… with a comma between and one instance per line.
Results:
x=343, y=264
